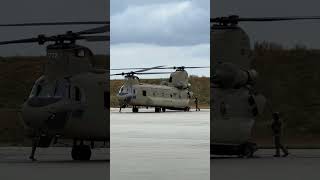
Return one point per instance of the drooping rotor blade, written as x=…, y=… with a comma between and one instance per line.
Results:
x=120, y=69
x=140, y=73
x=56, y=23
x=102, y=29
x=163, y=67
x=118, y=74
x=96, y=38
x=234, y=19
x=20, y=41
x=154, y=73
x=185, y=67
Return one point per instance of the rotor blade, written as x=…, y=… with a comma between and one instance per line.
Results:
x=97, y=30
x=118, y=69
x=30, y=40
x=154, y=73
x=185, y=67
x=56, y=23
x=140, y=73
x=118, y=74
x=96, y=38
x=147, y=69
x=235, y=19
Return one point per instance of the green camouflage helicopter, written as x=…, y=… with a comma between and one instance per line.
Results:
x=235, y=103
x=174, y=94
x=71, y=99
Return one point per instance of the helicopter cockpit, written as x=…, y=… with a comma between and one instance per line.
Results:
x=58, y=89
x=44, y=93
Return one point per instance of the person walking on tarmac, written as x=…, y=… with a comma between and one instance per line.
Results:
x=277, y=132
x=196, y=101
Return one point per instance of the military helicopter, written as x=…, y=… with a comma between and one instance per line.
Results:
x=235, y=102
x=71, y=99
x=174, y=94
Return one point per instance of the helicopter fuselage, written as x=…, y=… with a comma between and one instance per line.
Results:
x=160, y=96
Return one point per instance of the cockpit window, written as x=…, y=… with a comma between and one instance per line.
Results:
x=121, y=90
x=38, y=90
x=80, y=53
x=53, y=89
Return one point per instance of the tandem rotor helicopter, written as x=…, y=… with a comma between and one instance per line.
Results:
x=235, y=102
x=174, y=94
x=71, y=99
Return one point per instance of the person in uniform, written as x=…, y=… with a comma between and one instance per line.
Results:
x=196, y=101
x=277, y=132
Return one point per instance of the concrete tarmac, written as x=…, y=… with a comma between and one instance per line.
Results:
x=160, y=146
x=53, y=164
x=301, y=164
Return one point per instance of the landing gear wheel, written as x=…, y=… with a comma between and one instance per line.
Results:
x=187, y=109
x=157, y=109
x=163, y=109
x=81, y=152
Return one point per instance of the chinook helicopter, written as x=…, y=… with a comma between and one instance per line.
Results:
x=235, y=102
x=174, y=94
x=71, y=99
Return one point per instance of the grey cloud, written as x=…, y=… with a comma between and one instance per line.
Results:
x=121, y=5
x=130, y=55
x=170, y=23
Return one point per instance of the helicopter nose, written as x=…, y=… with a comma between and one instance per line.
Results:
x=34, y=118
x=124, y=98
x=43, y=117
x=44, y=120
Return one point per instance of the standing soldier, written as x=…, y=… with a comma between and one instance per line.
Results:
x=277, y=132
x=196, y=101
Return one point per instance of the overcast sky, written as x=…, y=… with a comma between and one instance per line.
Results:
x=286, y=33
x=18, y=11
x=160, y=32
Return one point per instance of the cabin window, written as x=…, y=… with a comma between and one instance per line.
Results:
x=171, y=95
x=77, y=94
x=106, y=99
x=134, y=91
x=144, y=93
x=38, y=90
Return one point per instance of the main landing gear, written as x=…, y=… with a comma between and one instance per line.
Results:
x=159, y=109
x=135, y=109
x=81, y=152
